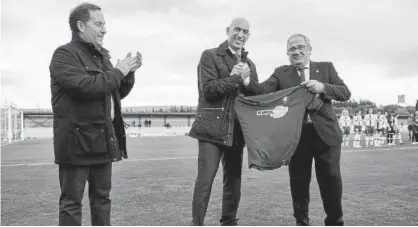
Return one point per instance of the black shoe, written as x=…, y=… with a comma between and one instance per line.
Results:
x=233, y=222
x=303, y=223
x=194, y=223
x=338, y=222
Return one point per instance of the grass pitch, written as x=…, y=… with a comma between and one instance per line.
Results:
x=155, y=186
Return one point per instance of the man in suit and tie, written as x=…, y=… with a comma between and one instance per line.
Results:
x=223, y=73
x=321, y=135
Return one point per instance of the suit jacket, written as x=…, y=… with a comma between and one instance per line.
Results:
x=324, y=120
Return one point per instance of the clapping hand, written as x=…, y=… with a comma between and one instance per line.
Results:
x=138, y=61
x=127, y=64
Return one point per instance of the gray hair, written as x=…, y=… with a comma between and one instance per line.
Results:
x=307, y=41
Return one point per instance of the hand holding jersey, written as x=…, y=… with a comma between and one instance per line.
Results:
x=313, y=86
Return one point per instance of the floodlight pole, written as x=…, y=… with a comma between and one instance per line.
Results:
x=9, y=126
x=21, y=125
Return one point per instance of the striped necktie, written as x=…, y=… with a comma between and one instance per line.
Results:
x=237, y=57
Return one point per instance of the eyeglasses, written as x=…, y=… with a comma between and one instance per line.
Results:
x=244, y=31
x=294, y=49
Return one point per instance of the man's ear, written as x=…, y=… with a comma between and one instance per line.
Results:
x=227, y=30
x=80, y=26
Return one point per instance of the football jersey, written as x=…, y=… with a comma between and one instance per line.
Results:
x=410, y=119
x=415, y=124
x=415, y=121
x=345, y=121
x=392, y=121
x=381, y=122
x=272, y=125
x=370, y=120
x=357, y=120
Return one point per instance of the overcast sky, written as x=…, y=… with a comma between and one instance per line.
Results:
x=373, y=44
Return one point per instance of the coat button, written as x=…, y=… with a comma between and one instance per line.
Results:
x=217, y=117
x=111, y=139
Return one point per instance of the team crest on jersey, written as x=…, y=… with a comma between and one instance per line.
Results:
x=277, y=112
x=285, y=99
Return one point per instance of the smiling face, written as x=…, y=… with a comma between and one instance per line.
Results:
x=93, y=30
x=299, y=51
x=238, y=33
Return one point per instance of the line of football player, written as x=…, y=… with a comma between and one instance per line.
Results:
x=380, y=129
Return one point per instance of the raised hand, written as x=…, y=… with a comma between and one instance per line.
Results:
x=138, y=61
x=127, y=64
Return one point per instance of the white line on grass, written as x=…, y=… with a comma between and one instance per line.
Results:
x=379, y=149
x=27, y=164
x=156, y=159
x=181, y=158
x=127, y=160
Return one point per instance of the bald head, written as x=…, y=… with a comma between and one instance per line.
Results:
x=238, y=33
x=240, y=21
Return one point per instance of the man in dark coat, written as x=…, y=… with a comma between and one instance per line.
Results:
x=321, y=135
x=88, y=127
x=223, y=73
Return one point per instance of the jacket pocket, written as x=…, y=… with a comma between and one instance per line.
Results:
x=89, y=138
x=207, y=124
